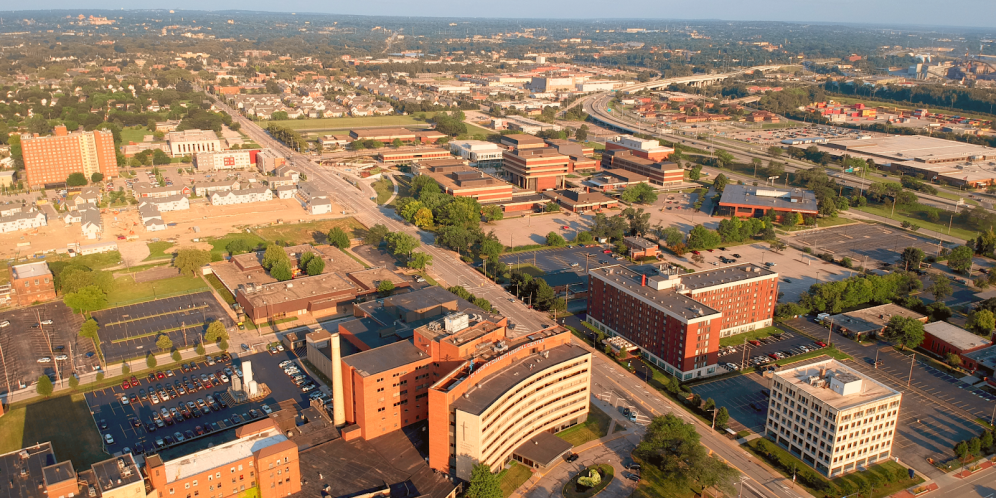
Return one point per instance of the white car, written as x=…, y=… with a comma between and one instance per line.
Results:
x=4, y=323
x=46, y=322
x=109, y=439
x=62, y=357
x=266, y=409
x=44, y=359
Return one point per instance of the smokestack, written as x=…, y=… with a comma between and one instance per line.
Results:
x=643, y=283
x=338, y=407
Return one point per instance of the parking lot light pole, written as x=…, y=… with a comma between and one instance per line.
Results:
x=991, y=419
x=912, y=362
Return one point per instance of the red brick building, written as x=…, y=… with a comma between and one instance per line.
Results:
x=53, y=158
x=536, y=169
x=942, y=338
x=751, y=201
x=677, y=319
x=391, y=156
x=458, y=179
x=32, y=282
x=657, y=172
x=649, y=149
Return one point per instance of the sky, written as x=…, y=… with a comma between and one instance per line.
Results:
x=977, y=13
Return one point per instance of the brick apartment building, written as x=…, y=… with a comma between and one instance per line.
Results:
x=458, y=179
x=32, y=282
x=51, y=159
x=658, y=172
x=677, y=319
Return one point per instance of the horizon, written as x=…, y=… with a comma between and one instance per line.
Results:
x=887, y=14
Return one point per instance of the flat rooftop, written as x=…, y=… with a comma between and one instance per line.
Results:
x=487, y=390
x=30, y=461
x=916, y=148
x=220, y=455
x=722, y=275
x=955, y=336
x=191, y=136
x=116, y=472
x=874, y=318
x=31, y=270
x=669, y=300
x=871, y=390
x=384, y=358
x=769, y=198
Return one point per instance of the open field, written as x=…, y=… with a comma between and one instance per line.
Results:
x=384, y=188
x=132, y=134
x=347, y=123
x=596, y=427
x=72, y=432
x=309, y=232
x=126, y=290
x=473, y=129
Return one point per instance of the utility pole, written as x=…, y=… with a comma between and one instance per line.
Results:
x=912, y=362
x=830, y=332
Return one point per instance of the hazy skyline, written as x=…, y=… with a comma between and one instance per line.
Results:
x=966, y=13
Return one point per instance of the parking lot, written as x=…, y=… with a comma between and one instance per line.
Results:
x=32, y=347
x=131, y=331
x=741, y=396
x=133, y=424
x=866, y=244
x=552, y=260
x=785, y=343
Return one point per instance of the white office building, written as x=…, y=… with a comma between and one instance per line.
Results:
x=832, y=417
x=188, y=142
x=478, y=152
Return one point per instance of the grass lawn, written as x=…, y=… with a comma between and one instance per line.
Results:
x=957, y=230
x=218, y=245
x=954, y=197
x=831, y=351
x=157, y=250
x=881, y=471
x=347, y=123
x=126, y=291
x=97, y=261
x=654, y=484
x=220, y=287
x=131, y=134
x=404, y=189
x=384, y=188
x=597, y=426
x=734, y=340
x=63, y=420
x=513, y=477
x=312, y=232
x=473, y=129
x=528, y=268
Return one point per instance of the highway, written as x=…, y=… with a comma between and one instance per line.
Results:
x=596, y=106
x=759, y=482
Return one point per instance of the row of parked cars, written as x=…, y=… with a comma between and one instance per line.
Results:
x=786, y=353
x=299, y=379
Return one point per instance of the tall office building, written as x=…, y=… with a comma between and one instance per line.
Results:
x=53, y=158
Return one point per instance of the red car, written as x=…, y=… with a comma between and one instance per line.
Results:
x=695, y=253
x=160, y=375
x=755, y=342
x=121, y=237
x=125, y=384
x=134, y=380
x=821, y=344
x=773, y=356
x=607, y=251
x=565, y=227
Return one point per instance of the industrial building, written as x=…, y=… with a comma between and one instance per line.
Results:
x=51, y=159
x=832, y=417
x=677, y=318
x=937, y=159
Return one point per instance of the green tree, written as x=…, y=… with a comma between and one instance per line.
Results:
x=191, y=260
x=952, y=359
x=709, y=404
x=176, y=356
x=775, y=151
x=339, y=238
x=940, y=287
x=281, y=271
x=674, y=448
x=44, y=386
x=493, y=213
x=905, y=331
x=641, y=193
x=97, y=177
x=216, y=331
x=385, y=288
x=671, y=236
x=960, y=258
x=223, y=344
x=483, y=483
x=238, y=246
x=76, y=179
x=315, y=267
x=423, y=218
x=273, y=255
x=164, y=343
x=125, y=368
x=74, y=382
x=695, y=173
x=986, y=440
x=375, y=235
x=419, y=260
x=401, y=244
x=397, y=143
x=910, y=258
x=89, y=329
x=702, y=238
x=584, y=237
x=720, y=183
x=981, y=321
x=553, y=239
x=722, y=417
x=582, y=134
x=150, y=360
x=199, y=349
x=89, y=298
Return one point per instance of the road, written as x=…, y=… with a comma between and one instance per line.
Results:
x=455, y=272
x=596, y=106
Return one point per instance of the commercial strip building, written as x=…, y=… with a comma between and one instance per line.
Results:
x=224, y=160
x=870, y=321
x=186, y=142
x=455, y=177
x=832, y=417
x=51, y=159
x=749, y=201
x=676, y=318
x=395, y=156
x=937, y=159
x=664, y=173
